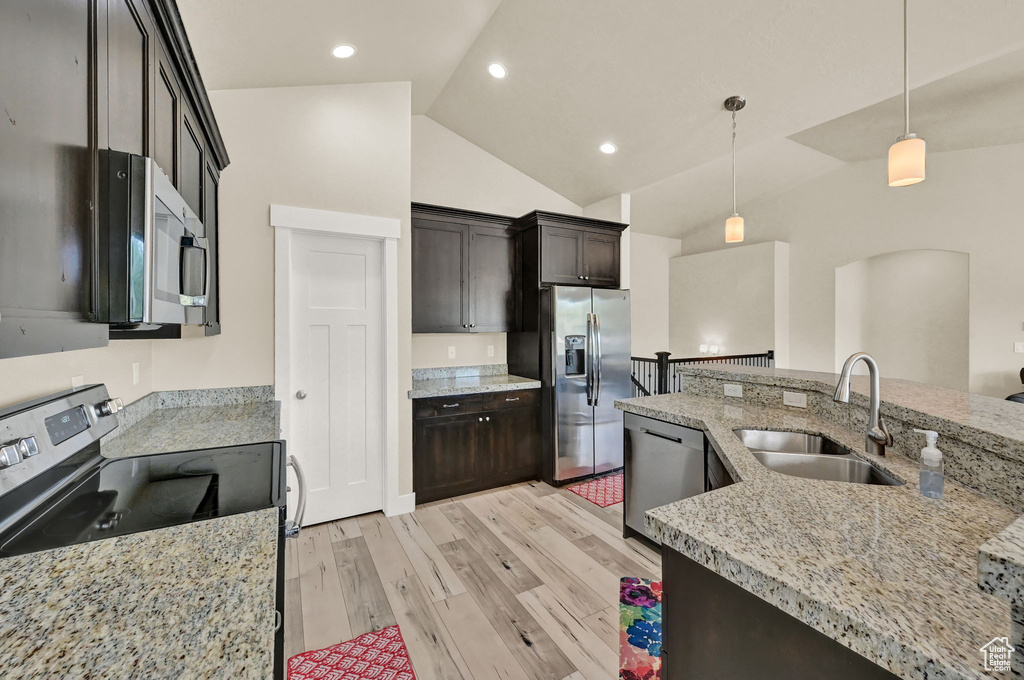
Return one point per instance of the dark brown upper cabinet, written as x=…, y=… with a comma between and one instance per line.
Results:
x=464, y=271
x=567, y=250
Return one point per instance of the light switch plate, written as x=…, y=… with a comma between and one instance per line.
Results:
x=451, y=351
x=732, y=390
x=1018, y=347
x=797, y=399
x=490, y=350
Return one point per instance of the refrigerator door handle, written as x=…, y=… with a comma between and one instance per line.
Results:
x=598, y=378
x=589, y=365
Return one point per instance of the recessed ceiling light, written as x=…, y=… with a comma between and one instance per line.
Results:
x=497, y=70
x=608, y=148
x=343, y=51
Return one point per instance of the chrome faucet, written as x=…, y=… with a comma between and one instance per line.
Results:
x=878, y=436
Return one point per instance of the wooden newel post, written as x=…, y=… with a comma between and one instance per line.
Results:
x=662, y=371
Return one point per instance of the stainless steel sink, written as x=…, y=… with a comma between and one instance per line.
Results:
x=812, y=457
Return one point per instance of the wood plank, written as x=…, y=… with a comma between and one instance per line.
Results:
x=502, y=559
x=432, y=651
x=291, y=559
x=551, y=517
x=294, y=643
x=570, y=589
x=388, y=555
x=579, y=563
x=437, y=526
x=614, y=560
x=607, y=516
x=343, y=529
x=540, y=488
x=515, y=510
x=605, y=625
x=483, y=650
x=435, y=573
x=525, y=638
x=324, y=615
x=365, y=600
x=583, y=646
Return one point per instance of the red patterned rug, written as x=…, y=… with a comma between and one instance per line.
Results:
x=604, y=491
x=380, y=655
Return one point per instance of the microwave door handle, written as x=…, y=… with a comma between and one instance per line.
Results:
x=200, y=244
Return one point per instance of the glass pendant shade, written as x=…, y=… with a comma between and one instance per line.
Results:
x=734, y=229
x=906, y=162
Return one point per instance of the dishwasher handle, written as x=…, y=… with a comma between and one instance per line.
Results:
x=659, y=435
x=292, y=526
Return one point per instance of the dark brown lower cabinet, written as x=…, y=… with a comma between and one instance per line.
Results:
x=474, y=442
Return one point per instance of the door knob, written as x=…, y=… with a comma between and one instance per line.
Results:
x=301, y=394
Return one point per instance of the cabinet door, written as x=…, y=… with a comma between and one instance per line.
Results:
x=493, y=299
x=445, y=456
x=213, y=243
x=130, y=44
x=561, y=254
x=514, y=451
x=440, y=264
x=601, y=259
x=192, y=164
x=166, y=116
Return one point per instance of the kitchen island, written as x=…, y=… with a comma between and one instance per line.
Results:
x=881, y=570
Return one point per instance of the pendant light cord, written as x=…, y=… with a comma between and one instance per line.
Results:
x=906, y=74
x=734, y=163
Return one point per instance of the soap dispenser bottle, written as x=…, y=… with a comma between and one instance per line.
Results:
x=932, y=478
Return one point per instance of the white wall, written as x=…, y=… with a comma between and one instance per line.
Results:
x=909, y=310
x=735, y=298
x=969, y=203
x=649, y=282
x=452, y=171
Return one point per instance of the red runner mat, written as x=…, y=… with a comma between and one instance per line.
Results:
x=603, y=492
x=380, y=655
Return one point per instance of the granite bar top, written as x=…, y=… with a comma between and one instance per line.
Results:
x=187, y=428
x=993, y=424
x=888, y=573
x=478, y=384
x=191, y=601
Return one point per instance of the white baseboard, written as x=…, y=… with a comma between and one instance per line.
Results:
x=401, y=505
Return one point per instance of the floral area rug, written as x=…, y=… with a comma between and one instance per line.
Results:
x=380, y=655
x=603, y=492
x=639, y=629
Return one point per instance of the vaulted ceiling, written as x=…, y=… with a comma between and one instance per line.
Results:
x=649, y=77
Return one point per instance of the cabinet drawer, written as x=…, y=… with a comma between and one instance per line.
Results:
x=448, y=406
x=514, y=399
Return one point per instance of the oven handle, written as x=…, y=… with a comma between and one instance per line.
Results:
x=292, y=526
x=204, y=245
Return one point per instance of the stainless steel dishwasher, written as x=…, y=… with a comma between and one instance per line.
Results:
x=664, y=463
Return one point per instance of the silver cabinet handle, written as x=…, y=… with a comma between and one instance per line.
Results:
x=449, y=405
x=488, y=419
x=480, y=420
x=586, y=278
x=472, y=325
x=580, y=277
x=278, y=620
x=465, y=325
x=292, y=526
x=511, y=398
x=301, y=394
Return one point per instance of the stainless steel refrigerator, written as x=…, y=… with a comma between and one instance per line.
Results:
x=590, y=369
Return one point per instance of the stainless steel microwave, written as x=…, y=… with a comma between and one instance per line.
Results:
x=153, y=260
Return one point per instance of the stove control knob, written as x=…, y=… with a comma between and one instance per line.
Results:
x=9, y=456
x=110, y=407
x=28, y=447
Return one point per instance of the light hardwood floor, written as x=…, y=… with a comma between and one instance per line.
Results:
x=516, y=583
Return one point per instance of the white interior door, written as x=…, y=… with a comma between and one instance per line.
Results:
x=336, y=405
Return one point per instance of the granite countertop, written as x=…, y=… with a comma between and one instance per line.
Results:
x=888, y=573
x=197, y=427
x=473, y=384
x=191, y=601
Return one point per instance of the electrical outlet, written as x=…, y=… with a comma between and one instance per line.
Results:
x=135, y=372
x=733, y=390
x=77, y=380
x=451, y=351
x=490, y=350
x=1018, y=347
x=797, y=399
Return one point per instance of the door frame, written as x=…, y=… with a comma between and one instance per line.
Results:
x=288, y=220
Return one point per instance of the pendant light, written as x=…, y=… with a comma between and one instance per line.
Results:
x=734, y=225
x=906, y=156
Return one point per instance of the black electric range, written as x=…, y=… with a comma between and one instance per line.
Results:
x=57, y=490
